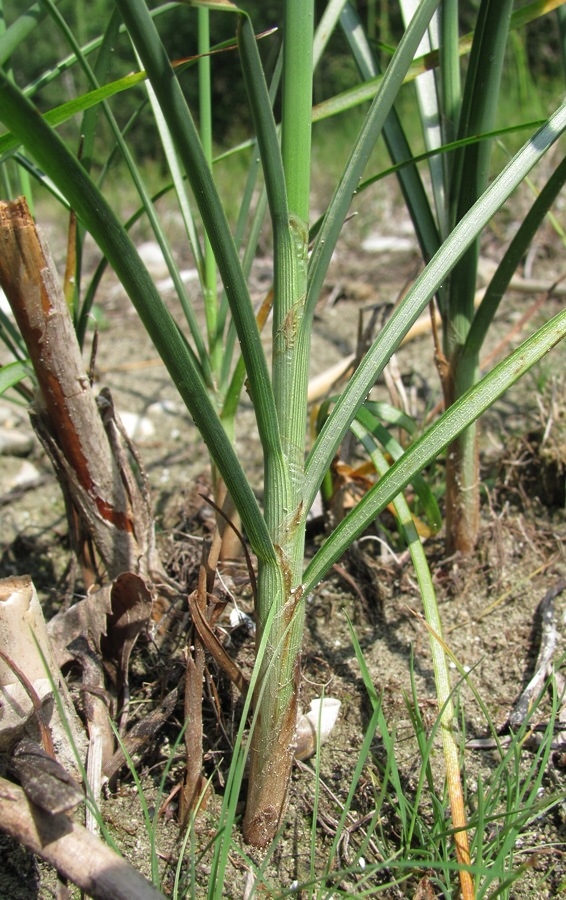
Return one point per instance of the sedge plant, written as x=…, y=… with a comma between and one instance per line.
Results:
x=455, y=110
x=278, y=386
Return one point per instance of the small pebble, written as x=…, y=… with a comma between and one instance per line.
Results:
x=15, y=442
x=390, y=243
x=26, y=475
x=136, y=426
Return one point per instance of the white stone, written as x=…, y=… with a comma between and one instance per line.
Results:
x=388, y=243
x=26, y=475
x=15, y=442
x=136, y=426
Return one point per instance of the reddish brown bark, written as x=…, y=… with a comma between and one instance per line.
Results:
x=106, y=505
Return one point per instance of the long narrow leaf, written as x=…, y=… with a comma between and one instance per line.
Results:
x=400, y=153
x=19, y=30
x=12, y=373
x=427, y=90
x=455, y=420
x=513, y=255
x=65, y=111
x=421, y=487
x=98, y=218
x=362, y=93
x=422, y=291
x=439, y=661
x=371, y=129
x=180, y=122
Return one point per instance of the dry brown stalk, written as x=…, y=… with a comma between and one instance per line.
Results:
x=192, y=792
x=105, y=502
x=71, y=849
x=24, y=641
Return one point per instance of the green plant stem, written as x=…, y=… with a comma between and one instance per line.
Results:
x=468, y=408
x=439, y=663
x=297, y=103
x=205, y=109
x=279, y=587
x=469, y=179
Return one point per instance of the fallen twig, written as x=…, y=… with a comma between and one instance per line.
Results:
x=544, y=659
x=543, y=670
x=71, y=849
x=140, y=734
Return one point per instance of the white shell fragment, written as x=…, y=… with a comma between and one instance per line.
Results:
x=322, y=714
x=388, y=243
x=239, y=619
x=136, y=426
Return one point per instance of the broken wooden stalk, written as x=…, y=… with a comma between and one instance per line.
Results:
x=28, y=670
x=105, y=504
x=76, y=853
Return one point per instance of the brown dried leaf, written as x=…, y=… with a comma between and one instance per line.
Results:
x=140, y=734
x=130, y=613
x=44, y=780
x=425, y=890
x=88, y=618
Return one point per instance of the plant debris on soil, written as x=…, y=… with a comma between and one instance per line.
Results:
x=490, y=607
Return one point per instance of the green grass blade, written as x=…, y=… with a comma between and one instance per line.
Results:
x=19, y=30
x=427, y=88
x=353, y=97
x=334, y=106
x=395, y=450
x=470, y=171
x=69, y=61
x=393, y=773
x=60, y=114
x=325, y=27
x=101, y=70
x=179, y=120
x=400, y=153
x=12, y=373
x=88, y=131
x=210, y=287
x=190, y=229
x=449, y=148
x=233, y=393
x=386, y=412
x=439, y=661
x=264, y=122
x=376, y=718
x=371, y=129
x=467, y=409
x=322, y=453
x=11, y=337
x=513, y=255
x=450, y=86
x=479, y=102
x=97, y=217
